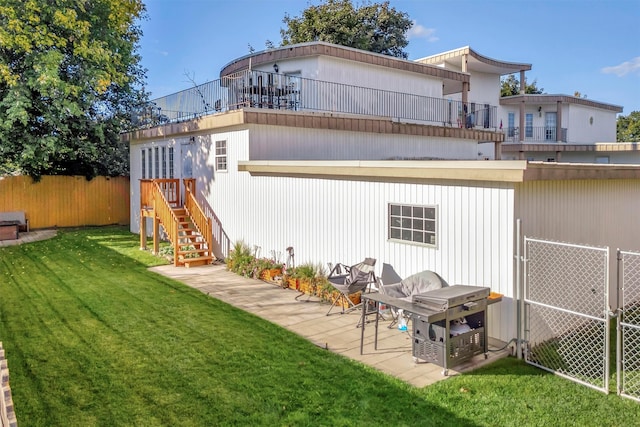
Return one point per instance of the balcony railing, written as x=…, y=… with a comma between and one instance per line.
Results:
x=544, y=134
x=276, y=91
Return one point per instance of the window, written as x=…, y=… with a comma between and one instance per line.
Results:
x=170, y=162
x=157, y=162
x=221, y=155
x=550, y=120
x=144, y=164
x=528, y=125
x=164, y=162
x=149, y=163
x=411, y=223
x=511, y=124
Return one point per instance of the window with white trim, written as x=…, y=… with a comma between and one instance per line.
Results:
x=144, y=164
x=170, y=162
x=221, y=155
x=157, y=162
x=164, y=162
x=150, y=163
x=413, y=223
x=528, y=125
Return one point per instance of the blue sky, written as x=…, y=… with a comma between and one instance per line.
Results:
x=589, y=46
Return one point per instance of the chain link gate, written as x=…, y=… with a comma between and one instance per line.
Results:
x=628, y=360
x=566, y=310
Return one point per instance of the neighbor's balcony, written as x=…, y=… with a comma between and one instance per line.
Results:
x=535, y=134
x=256, y=89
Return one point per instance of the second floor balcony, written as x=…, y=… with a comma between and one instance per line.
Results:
x=258, y=89
x=535, y=134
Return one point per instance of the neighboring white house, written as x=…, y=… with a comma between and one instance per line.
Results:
x=542, y=127
x=283, y=159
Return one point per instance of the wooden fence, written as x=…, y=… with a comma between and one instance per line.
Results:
x=67, y=201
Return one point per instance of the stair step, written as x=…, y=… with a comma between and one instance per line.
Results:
x=193, y=262
x=192, y=251
x=189, y=237
x=195, y=244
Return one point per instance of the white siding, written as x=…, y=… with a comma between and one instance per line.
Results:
x=589, y=212
x=346, y=221
x=367, y=75
x=287, y=143
x=354, y=73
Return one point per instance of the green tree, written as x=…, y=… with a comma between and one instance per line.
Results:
x=375, y=27
x=511, y=86
x=628, y=127
x=69, y=79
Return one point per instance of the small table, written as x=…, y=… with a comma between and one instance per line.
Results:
x=9, y=230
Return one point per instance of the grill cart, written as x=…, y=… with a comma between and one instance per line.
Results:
x=456, y=330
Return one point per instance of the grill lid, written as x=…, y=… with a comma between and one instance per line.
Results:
x=451, y=296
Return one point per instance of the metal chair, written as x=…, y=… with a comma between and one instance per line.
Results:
x=350, y=280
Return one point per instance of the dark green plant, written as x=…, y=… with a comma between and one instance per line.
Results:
x=376, y=27
x=70, y=79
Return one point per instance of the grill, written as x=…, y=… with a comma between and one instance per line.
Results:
x=455, y=331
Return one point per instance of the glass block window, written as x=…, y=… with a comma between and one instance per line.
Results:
x=221, y=155
x=415, y=224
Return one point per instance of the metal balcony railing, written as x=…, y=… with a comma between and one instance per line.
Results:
x=259, y=89
x=544, y=134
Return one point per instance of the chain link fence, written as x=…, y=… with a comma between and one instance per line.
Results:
x=566, y=310
x=628, y=360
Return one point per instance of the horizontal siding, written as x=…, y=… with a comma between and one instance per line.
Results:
x=67, y=201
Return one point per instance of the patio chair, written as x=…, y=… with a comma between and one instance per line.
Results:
x=351, y=280
x=416, y=284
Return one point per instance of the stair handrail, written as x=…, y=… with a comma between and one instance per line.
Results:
x=200, y=220
x=167, y=217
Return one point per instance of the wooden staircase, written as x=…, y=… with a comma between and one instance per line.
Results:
x=192, y=247
x=185, y=225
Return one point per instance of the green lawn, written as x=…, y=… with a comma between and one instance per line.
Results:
x=93, y=338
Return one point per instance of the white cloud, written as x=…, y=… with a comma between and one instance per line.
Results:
x=163, y=52
x=625, y=68
x=420, y=32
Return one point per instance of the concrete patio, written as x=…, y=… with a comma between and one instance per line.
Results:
x=337, y=332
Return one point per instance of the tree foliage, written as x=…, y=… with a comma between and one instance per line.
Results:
x=511, y=86
x=69, y=77
x=628, y=127
x=375, y=27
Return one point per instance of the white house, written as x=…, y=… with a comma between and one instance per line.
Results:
x=540, y=127
x=345, y=154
